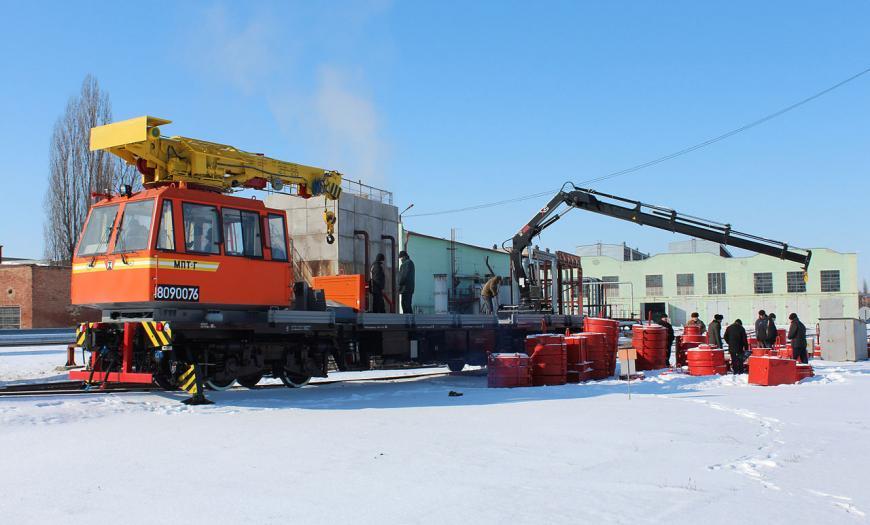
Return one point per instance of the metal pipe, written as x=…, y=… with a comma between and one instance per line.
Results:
x=394, y=265
x=366, y=263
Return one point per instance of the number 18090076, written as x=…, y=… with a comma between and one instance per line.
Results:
x=169, y=292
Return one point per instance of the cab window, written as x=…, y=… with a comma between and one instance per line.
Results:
x=95, y=239
x=242, y=233
x=201, y=228
x=135, y=226
x=277, y=237
x=166, y=230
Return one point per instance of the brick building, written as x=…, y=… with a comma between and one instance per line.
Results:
x=36, y=295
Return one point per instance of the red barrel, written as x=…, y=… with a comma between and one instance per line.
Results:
x=550, y=361
x=692, y=330
x=601, y=358
x=608, y=327
x=579, y=368
x=691, y=338
x=508, y=370
x=705, y=360
x=650, y=341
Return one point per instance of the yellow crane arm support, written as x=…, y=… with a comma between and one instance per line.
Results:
x=219, y=167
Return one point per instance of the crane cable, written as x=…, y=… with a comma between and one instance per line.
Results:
x=661, y=159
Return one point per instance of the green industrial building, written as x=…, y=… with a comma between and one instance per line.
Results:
x=702, y=277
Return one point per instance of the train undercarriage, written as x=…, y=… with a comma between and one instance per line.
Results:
x=242, y=346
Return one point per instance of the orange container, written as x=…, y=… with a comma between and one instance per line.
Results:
x=771, y=371
x=347, y=290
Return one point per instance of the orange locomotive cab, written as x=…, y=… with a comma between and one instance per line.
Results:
x=177, y=246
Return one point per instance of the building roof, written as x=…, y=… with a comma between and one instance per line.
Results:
x=417, y=234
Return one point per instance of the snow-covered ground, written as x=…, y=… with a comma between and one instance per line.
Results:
x=680, y=450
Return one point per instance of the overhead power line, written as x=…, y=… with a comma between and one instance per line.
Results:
x=661, y=159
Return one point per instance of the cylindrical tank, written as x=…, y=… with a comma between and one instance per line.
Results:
x=650, y=341
x=691, y=338
x=705, y=360
x=508, y=370
x=692, y=330
x=608, y=327
x=598, y=353
x=549, y=361
x=578, y=358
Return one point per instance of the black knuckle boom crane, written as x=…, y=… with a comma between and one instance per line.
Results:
x=639, y=213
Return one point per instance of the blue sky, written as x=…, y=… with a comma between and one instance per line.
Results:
x=450, y=104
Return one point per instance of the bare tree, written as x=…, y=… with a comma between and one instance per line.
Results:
x=75, y=172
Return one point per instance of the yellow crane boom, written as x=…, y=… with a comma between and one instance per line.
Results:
x=208, y=165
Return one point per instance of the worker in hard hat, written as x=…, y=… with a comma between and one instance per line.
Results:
x=490, y=293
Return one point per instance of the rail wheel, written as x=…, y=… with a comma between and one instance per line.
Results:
x=220, y=381
x=294, y=380
x=251, y=380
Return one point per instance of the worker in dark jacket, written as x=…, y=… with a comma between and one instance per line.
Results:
x=772, y=333
x=406, y=281
x=761, y=329
x=714, y=332
x=738, y=344
x=377, y=283
x=695, y=320
x=490, y=293
x=797, y=335
x=666, y=322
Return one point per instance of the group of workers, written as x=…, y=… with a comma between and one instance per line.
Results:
x=735, y=336
x=405, y=284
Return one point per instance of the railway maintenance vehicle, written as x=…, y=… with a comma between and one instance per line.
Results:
x=196, y=285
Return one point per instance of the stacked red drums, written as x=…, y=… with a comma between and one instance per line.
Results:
x=650, y=341
x=578, y=358
x=609, y=328
x=691, y=338
x=601, y=359
x=508, y=370
x=549, y=360
x=705, y=360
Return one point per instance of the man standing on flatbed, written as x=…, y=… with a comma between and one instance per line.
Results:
x=489, y=293
x=406, y=281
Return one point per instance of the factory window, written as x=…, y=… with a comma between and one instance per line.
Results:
x=95, y=240
x=201, y=228
x=685, y=284
x=277, y=238
x=612, y=290
x=716, y=283
x=763, y=282
x=10, y=317
x=166, y=231
x=830, y=280
x=242, y=233
x=795, y=283
x=654, y=285
x=135, y=226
